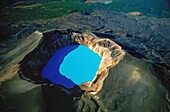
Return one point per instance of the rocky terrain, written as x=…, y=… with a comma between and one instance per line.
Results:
x=140, y=82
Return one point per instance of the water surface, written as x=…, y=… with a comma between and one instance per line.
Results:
x=72, y=65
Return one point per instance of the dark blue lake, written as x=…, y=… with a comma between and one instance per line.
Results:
x=72, y=65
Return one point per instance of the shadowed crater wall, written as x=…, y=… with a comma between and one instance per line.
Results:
x=34, y=62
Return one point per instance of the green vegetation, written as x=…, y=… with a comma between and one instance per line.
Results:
x=46, y=10
x=43, y=11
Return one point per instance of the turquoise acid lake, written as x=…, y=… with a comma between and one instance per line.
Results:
x=72, y=65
